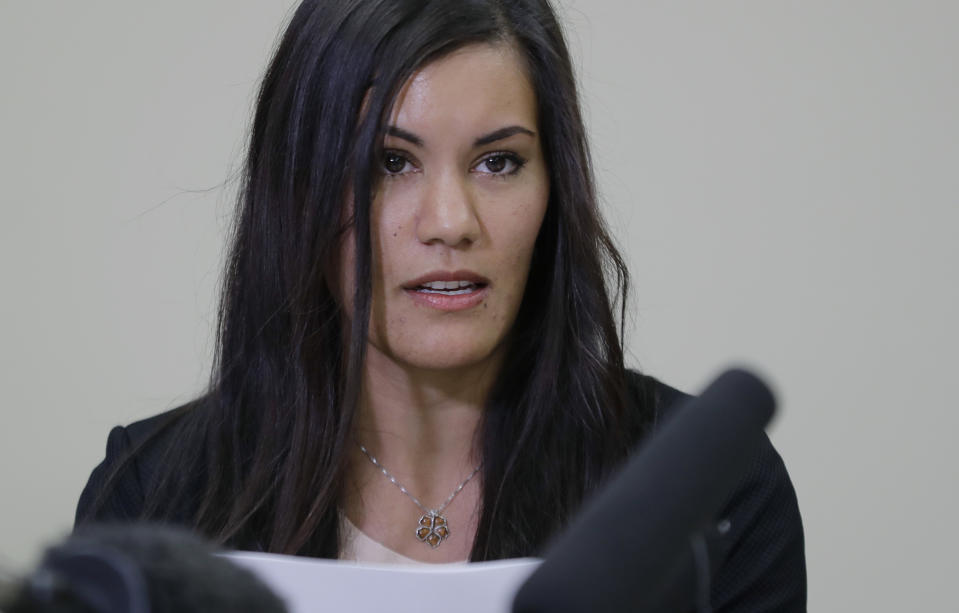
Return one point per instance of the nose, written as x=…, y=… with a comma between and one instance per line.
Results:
x=447, y=212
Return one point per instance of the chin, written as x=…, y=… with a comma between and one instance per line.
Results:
x=440, y=355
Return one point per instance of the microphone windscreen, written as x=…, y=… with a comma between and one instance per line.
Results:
x=629, y=548
x=141, y=568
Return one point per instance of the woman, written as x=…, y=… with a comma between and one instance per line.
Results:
x=418, y=355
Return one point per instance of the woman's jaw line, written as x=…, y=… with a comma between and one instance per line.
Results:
x=429, y=390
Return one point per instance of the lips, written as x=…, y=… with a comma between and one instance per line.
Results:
x=442, y=280
x=448, y=290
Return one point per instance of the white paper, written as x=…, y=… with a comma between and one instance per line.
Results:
x=311, y=585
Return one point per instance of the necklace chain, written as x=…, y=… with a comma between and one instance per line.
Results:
x=433, y=512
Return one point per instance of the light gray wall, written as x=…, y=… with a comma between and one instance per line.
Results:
x=783, y=177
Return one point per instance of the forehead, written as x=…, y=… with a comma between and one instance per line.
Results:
x=477, y=86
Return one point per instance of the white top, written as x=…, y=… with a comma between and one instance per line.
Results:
x=356, y=546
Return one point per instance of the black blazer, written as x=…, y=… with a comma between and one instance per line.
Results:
x=762, y=556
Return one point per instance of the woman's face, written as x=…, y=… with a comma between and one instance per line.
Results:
x=457, y=210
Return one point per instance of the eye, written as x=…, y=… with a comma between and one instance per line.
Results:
x=500, y=164
x=395, y=163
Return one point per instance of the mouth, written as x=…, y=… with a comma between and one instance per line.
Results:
x=448, y=291
x=448, y=288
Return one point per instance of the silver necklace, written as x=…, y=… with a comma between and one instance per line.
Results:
x=432, y=527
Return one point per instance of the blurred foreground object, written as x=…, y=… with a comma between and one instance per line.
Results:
x=137, y=568
x=663, y=506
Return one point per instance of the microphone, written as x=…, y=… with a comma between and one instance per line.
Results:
x=139, y=568
x=637, y=545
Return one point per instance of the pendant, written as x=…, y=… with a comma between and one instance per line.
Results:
x=432, y=529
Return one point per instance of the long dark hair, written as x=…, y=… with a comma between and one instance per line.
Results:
x=267, y=445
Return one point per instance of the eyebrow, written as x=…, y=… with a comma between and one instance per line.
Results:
x=501, y=134
x=492, y=137
x=407, y=136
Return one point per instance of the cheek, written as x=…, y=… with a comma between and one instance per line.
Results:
x=341, y=272
x=520, y=229
x=389, y=229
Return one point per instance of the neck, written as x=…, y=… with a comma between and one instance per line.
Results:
x=422, y=428
x=415, y=420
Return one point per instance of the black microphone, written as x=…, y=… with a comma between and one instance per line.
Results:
x=633, y=546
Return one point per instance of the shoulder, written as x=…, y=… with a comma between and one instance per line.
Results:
x=118, y=486
x=646, y=391
x=761, y=554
